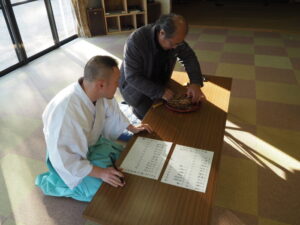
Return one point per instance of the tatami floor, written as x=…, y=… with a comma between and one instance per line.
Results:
x=254, y=14
x=259, y=178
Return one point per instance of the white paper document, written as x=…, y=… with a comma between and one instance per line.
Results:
x=146, y=157
x=188, y=168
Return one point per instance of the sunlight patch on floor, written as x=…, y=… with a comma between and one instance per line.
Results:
x=83, y=50
x=261, y=152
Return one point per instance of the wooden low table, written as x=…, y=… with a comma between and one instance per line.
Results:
x=146, y=201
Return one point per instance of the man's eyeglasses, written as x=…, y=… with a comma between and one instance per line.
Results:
x=175, y=45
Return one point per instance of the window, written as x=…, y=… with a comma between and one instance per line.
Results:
x=32, y=28
x=64, y=18
x=8, y=56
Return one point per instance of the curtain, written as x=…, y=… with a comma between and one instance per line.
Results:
x=80, y=7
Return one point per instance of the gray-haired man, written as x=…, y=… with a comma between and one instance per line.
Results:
x=150, y=55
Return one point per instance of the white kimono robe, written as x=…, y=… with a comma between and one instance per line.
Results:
x=72, y=123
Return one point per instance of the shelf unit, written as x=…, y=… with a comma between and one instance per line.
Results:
x=124, y=15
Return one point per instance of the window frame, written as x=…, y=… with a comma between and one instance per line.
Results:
x=7, y=9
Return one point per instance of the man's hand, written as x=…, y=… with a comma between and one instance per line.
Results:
x=108, y=175
x=168, y=95
x=195, y=92
x=139, y=128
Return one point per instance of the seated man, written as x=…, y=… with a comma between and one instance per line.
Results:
x=79, y=124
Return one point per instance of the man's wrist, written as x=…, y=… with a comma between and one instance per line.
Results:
x=131, y=128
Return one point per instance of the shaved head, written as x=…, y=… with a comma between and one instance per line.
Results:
x=99, y=67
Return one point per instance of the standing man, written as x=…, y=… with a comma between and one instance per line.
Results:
x=150, y=55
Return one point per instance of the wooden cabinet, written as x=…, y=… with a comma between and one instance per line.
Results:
x=124, y=15
x=96, y=21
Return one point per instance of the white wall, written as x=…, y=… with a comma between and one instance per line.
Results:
x=165, y=6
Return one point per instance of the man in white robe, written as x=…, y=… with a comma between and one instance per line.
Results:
x=80, y=123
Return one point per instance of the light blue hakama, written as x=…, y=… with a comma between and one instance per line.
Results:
x=51, y=183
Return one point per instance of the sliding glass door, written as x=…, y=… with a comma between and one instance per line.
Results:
x=8, y=56
x=63, y=15
x=32, y=28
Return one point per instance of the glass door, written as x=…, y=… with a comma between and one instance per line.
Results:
x=34, y=26
x=8, y=55
x=64, y=18
x=29, y=29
